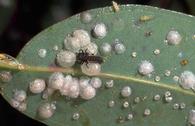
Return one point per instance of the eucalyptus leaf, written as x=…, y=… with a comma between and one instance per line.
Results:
x=141, y=29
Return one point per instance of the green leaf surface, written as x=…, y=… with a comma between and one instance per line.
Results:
x=126, y=26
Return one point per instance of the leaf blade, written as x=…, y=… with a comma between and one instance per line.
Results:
x=123, y=71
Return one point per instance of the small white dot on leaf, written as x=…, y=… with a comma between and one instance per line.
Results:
x=109, y=83
x=157, y=51
x=173, y=37
x=75, y=116
x=46, y=110
x=187, y=80
x=145, y=67
x=111, y=103
x=85, y=17
x=134, y=54
x=91, y=68
x=42, y=53
x=37, y=86
x=126, y=91
x=100, y=30
x=66, y=59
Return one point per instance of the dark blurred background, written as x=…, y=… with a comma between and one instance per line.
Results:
x=20, y=20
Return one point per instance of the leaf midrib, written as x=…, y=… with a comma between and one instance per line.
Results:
x=73, y=71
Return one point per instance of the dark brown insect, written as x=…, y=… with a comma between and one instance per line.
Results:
x=85, y=57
